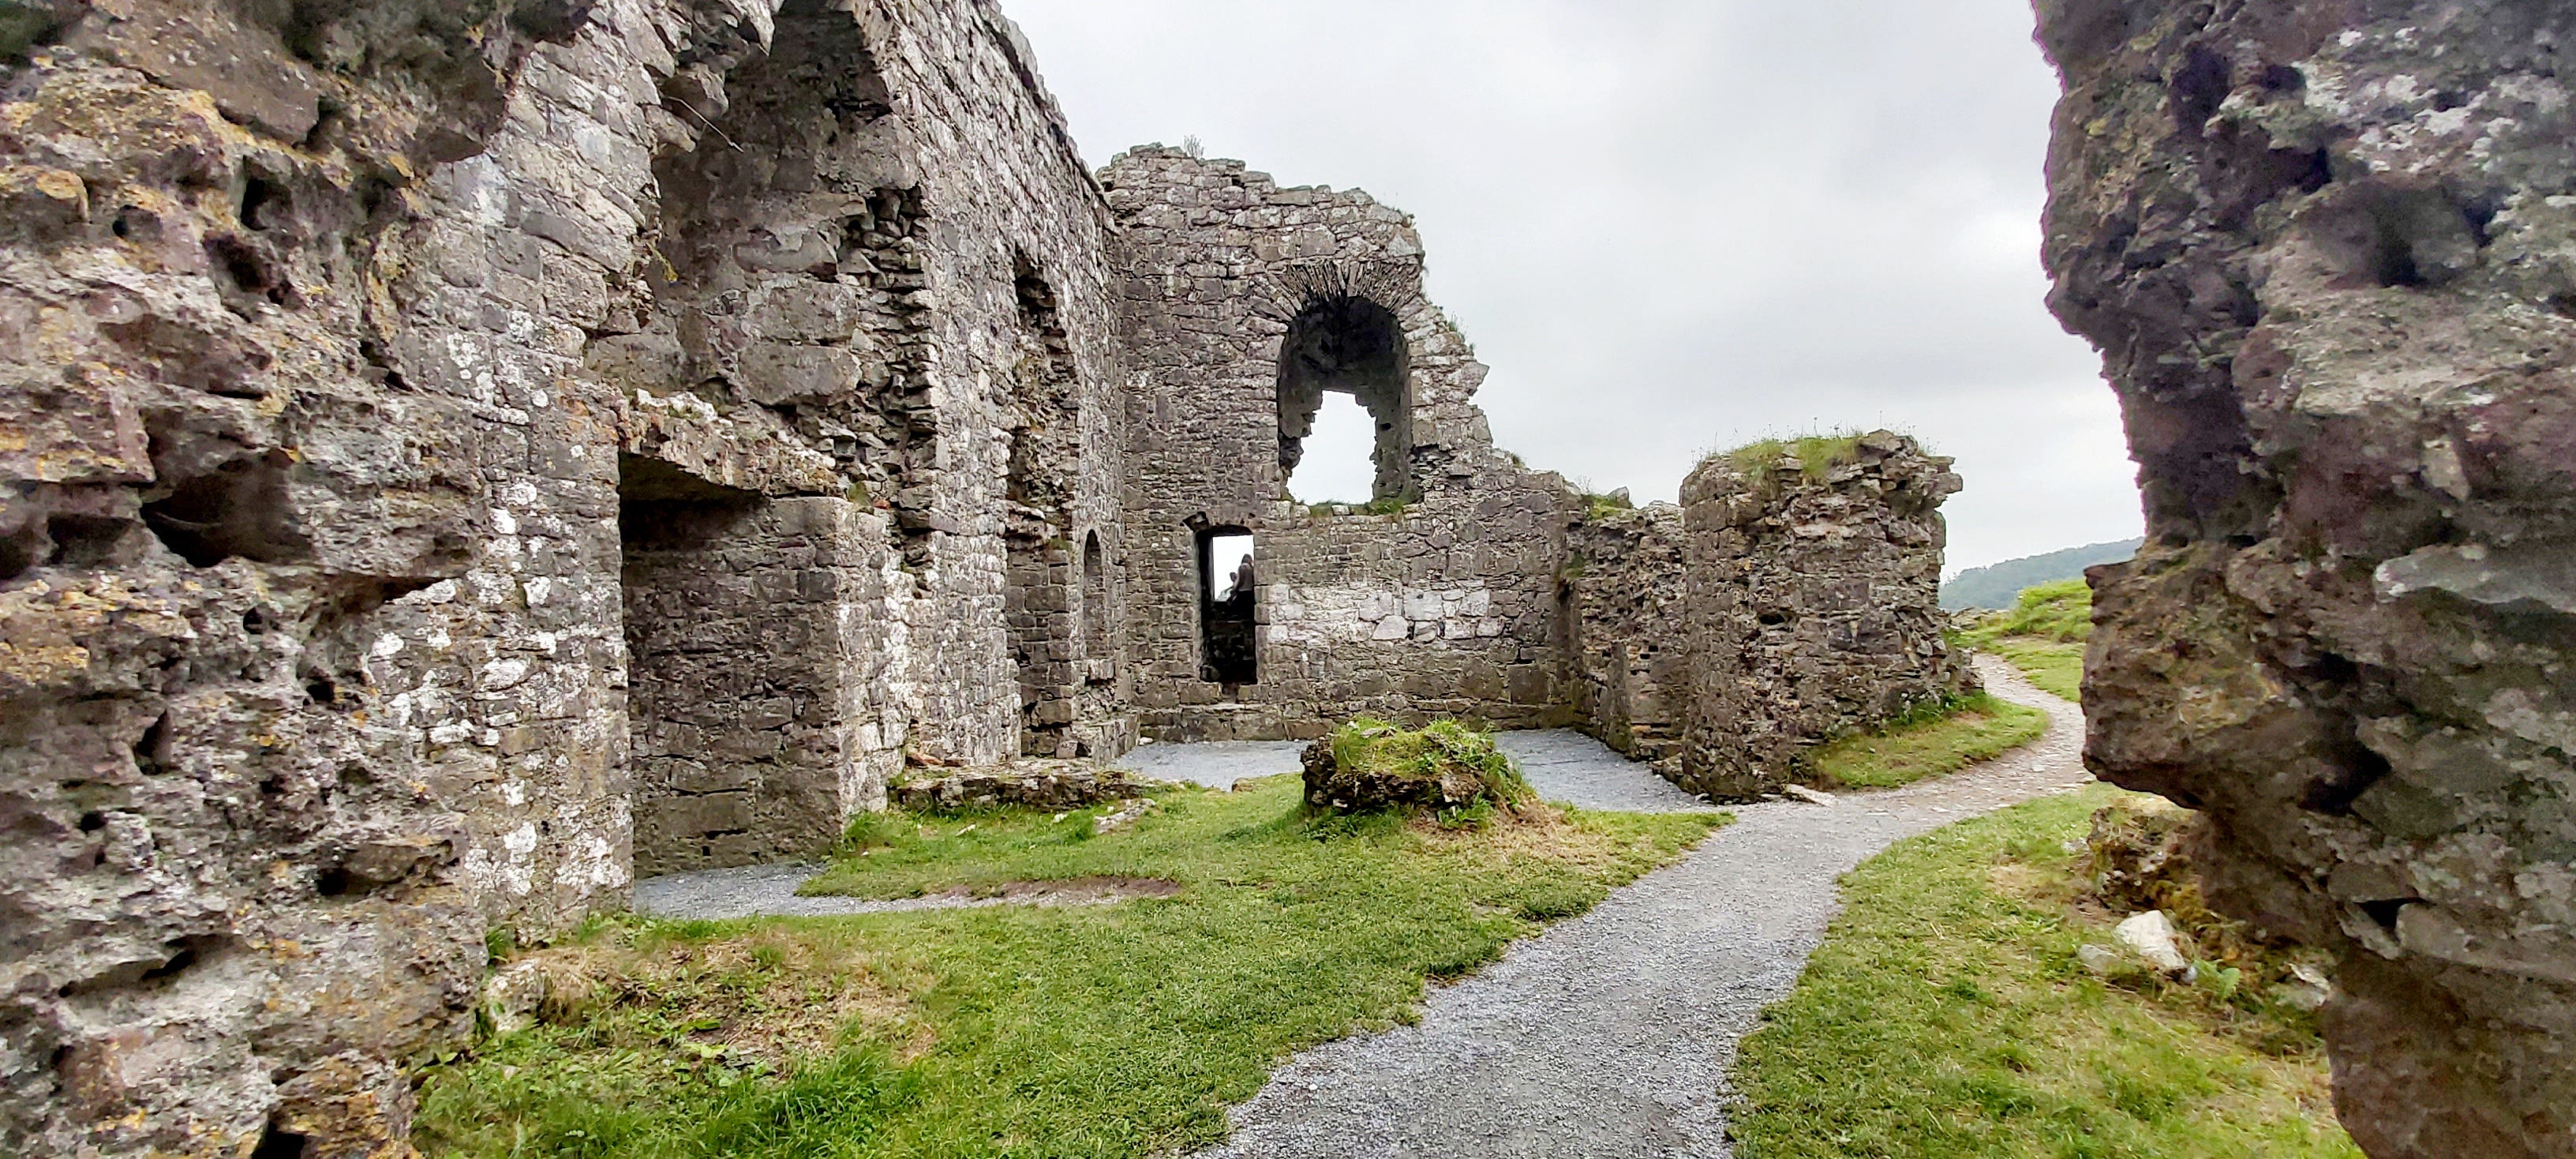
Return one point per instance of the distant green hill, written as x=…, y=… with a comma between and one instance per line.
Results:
x=1994, y=586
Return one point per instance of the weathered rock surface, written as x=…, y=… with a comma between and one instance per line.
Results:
x=2329, y=253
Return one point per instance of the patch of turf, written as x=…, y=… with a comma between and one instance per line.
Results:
x=1816, y=455
x=2056, y=668
x=1114, y=1030
x=1946, y=1015
x=1948, y=737
x=1437, y=752
x=2042, y=634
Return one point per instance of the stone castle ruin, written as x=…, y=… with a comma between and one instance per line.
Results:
x=462, y=457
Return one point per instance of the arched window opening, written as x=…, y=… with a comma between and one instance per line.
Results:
x=1228, y=586
x=1354, y=347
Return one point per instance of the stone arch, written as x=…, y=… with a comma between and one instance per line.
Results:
x=1349, y=344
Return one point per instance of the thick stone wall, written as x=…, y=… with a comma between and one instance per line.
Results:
x=1815, y=603
x=1781, y=605
x=1447, y=607
x=1626, y=587
x=330, y=351
x=749, y=699
x=2329, y=254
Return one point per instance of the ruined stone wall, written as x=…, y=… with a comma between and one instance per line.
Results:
x=2329, y=254
x=1815, y=602
x=748, y=698
x=1447, y=607
x=333, y=346
x=1781, y=605
x=1626, y=586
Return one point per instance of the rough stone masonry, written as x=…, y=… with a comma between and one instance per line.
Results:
x=2328, y=250
x=458, y=456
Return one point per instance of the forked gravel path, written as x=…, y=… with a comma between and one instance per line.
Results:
x=1611, y=1034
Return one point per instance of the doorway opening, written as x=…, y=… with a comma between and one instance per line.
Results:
x=1229, y=653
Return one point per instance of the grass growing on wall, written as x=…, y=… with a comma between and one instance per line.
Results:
x=2042, y=634
x=1817, y=455
x=1942, y=739
x=1946, y=1015
x=1117, y=1030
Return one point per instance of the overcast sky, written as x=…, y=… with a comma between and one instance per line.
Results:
x=1670, y=226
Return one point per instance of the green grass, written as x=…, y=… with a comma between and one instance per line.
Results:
x=1431, y=753
x=1946, y=1015
x=2056, y=668
x=1115, y=1030
x=1943, y=739
x=1817, y=455
x=2042, y=634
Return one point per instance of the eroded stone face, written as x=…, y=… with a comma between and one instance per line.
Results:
x=2329, y=252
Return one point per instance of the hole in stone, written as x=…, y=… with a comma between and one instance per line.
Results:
x=237, y=508
x=93, y=821
x=279, y=1143
x=1229, y=653
x=20, y=550
x=264, y=204
x=84, y=541
x=2282, y=78
x=1335, y=461
x=1772, y=619
x=2197, y=89
x=2385, y=911
x=320, y=689
x=1095, y=598
x=184, y=953
x=2449, y=99
x=2358, y=767
x=259, y=621
x=332, y=881
x=152, y=749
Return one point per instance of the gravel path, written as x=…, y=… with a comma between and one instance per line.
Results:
x=1611, y=1034
x=1217, y=764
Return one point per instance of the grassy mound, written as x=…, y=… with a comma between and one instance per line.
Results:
x=1445, y=767
x=1064, y=1031
x=1947, y=1014
x=1942, y=738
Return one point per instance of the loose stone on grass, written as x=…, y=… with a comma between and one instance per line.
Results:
x=1034, y=784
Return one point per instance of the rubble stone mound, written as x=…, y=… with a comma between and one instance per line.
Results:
x=1371, y=765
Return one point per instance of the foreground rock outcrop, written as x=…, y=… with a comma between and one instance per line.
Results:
x=2329, y=253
